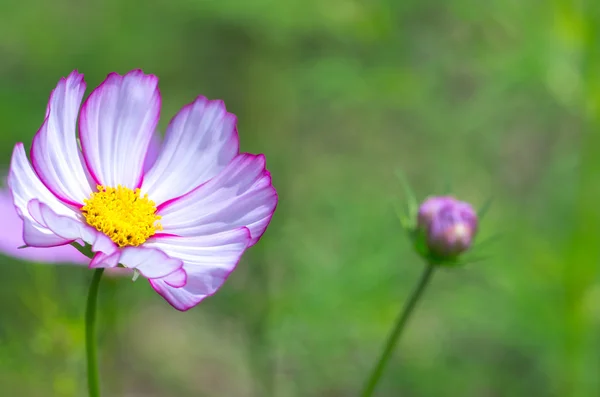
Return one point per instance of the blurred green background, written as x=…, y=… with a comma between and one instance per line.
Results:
x=498, y=98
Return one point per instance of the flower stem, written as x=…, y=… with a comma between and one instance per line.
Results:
x=90, y=336
x=397, y=332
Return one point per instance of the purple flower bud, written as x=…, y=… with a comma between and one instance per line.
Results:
x=430, y=208
x=450, y=225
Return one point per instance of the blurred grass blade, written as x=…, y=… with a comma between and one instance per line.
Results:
x=402, y=214
x=411, y=200
x=488, y=241
x=484, y=208
x=470, y=260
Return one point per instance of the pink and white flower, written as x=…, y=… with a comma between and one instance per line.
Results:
x=11, y=238
x=183, y=224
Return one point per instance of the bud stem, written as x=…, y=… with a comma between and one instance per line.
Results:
x=397, y=332
x=90, y=335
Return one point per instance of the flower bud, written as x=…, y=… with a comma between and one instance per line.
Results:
x=429, y=210
x=449, y=225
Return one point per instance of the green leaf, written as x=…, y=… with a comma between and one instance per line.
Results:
x=488, y=241
x=411, y=201
x=474, y=259
x=403, y=216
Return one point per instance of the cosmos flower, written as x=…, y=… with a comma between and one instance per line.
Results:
x=183, y=224
x=11, y=235
x=11, y=238
x=450, y=225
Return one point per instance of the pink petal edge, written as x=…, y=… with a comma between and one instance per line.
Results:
x=152, y=263
x=45, y=162
x=262, y=184
x=162, y=288
x=213, y=142
x=85, y=128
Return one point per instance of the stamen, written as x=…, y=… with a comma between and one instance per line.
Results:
x=125, y=216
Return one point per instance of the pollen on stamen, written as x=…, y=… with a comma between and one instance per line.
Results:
x=123, y=214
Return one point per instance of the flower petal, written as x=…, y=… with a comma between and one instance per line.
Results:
x=208, y=261
x=153, y=150
x=105, y=260
x=70, y=229
x=116, y=125
x=55, y=154
x=150, y=262
x=177, y=279
x=241, y=195
x=200, y=141
x=26, y=186
x=35, y=235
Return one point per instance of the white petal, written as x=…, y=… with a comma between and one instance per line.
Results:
x=153, y=149
x=26, y=186
x=71, y=228
x=55, y=154
x=11, y=237
x=241, y=195
x=200, y=141
x=177, y=279
x=105, y=260
x=35, y=235
x=116, y=125
x=151, y=262
x=208, y=261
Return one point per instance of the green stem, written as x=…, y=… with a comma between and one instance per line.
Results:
x=397, y=332
x=90, y=336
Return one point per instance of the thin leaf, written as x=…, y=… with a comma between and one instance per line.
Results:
x=487, y=241
x=475, y=258
x=411, y=200
x=401, y=214
x=485, y=207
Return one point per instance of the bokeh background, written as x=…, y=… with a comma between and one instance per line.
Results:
x=498, y=98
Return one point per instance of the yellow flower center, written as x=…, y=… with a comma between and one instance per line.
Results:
x=122, y=214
